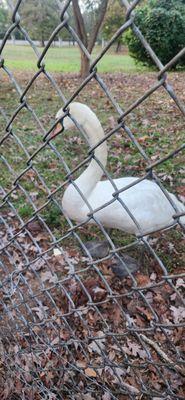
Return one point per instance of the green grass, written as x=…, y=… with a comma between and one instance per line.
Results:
x=67, y=59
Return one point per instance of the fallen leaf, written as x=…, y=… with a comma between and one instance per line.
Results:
x=49, y=276
x=180, y=283
x=142, y=280
x=143, y=139
x=57, y=252
x=81, y=364
x=40, y=311
x=181, y=190
x=96, y=347
x=145, y=312
x=178, y=313
x=37, y=265
x=90, y=372
x=112, y=122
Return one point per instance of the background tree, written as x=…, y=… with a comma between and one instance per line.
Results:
x=3, y=20
x=88, y=32
x=64, y=35
x=162, y=22
x=113, y=21
x=40, y=18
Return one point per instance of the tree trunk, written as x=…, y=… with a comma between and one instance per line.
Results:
x=42, y=43
x=118, y=47
x=82, y=33
x=85, y=64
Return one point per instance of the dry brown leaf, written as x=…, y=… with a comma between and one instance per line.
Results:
x=90, y=372
x=81, y=364
x=145, y=312
x=48, y=276
x=178, y=314
x=143, y=280
x=40, y=311
x=143, y=139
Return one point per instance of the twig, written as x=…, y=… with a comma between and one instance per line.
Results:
x=130, y=388
x=163, y=355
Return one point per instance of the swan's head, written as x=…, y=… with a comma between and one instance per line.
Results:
x=77, y=111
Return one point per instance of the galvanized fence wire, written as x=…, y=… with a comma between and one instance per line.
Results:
x=57, y=341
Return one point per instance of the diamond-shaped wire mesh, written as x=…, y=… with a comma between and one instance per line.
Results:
x=71, y=328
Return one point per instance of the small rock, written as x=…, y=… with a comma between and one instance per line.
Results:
x=118, y=268
x=98, y=249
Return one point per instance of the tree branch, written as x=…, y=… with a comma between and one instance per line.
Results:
x=80, y=26
x=102, y=11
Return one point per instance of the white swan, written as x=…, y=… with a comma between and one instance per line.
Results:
x=146, y=201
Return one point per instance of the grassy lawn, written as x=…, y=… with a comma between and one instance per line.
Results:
x=67, y=59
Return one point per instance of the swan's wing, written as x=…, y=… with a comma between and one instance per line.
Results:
x=145, y=200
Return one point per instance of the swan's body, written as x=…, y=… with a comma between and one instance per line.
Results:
x=146, y=201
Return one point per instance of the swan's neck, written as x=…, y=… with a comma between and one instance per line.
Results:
x=87, y=181
x=93, y=173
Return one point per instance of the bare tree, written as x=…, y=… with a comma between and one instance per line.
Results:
x=88, y=40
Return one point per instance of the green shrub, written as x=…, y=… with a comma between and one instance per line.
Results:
x=162, y=22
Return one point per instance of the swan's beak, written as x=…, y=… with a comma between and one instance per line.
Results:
x=58, y=129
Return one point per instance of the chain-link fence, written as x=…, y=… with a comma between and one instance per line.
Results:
x=78, y=320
